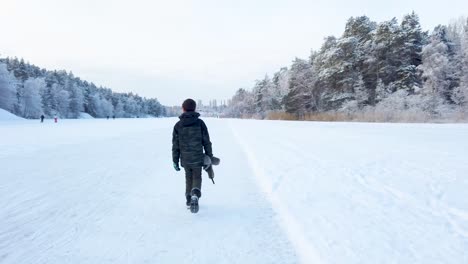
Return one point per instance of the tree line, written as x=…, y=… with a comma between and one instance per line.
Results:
x=29, y=91
x=386, y=67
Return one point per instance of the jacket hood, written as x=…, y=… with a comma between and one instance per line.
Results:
x=189, y=118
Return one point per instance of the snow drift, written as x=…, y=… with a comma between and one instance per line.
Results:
x=7, y=116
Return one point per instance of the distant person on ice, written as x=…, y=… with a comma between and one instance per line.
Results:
x=189, y=138
x=42, y=118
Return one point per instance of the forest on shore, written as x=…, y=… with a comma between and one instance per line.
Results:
x=387, y=71
x=29, y=91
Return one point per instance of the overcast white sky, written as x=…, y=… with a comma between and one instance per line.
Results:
x=174, y=49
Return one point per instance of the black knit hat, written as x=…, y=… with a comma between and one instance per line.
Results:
x=189, y=105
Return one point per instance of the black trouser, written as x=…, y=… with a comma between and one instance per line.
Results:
x=193, y=181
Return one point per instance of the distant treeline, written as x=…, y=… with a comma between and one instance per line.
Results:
x=29, y=91
x=386, y=69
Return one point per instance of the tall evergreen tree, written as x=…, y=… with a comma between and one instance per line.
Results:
x=7, y=88
x=32, y=98
x=386, y=52
x=298, y=101
x=435, y=68
x=76, y=101
x=280, y=88
x=462, y=90
x=63, y=103
x=412, y=40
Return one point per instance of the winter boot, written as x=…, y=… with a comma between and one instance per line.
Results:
x=196, y=193
x=188, y=201
x=194, y=204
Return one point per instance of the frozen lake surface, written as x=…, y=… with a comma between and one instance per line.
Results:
x=104, y=191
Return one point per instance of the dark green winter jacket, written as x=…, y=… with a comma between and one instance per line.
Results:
x=189, y=138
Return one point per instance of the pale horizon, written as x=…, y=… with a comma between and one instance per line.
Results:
x=180, y=49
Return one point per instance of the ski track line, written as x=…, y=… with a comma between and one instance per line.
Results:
x=304, y=248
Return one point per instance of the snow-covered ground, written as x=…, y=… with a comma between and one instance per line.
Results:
x=104, y=191
x=85, y=116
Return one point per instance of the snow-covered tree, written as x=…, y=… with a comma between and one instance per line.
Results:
x=131, y=107
x=49, y=100
x=381, y=91
x=372, y=66
x=327, y=74
x=154, y=108
x=280, y=88
x=352, y=55
x=410, y=42
x=242, y=104
x=107, y=109
x=435, y=66
x=119, y=109
x=7, y=88
x=361, y=97
x=298, y=101
x=99, y=106
x=461, y=93
x=360, y=91
x=386, y=51
x=14, y=94
x=63, y=103
x=263, y=96
x=32, y=98
x=76, y=101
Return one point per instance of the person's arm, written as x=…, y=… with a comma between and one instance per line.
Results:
x=206, y=140
x=175, y=145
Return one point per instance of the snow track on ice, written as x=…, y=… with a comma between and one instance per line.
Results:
x=304, y=248
x=104, y=191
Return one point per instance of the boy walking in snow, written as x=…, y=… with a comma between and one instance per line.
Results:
x=189, y=139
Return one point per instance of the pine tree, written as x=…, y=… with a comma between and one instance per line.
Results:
x=7, y=88
x=411, y=42
x=360, y=91
x=18, y=106
x=381, y=91
x=63, y=103
x=76, y=101
x=280, y=88
x=263, y=96
x=131, y=107
x=21, y=71
x=461, y=94
x=32, y=98
x=327, y=73
x=241, y=103
x=298, y=101
x=435, y=68
x=50, y=100
x=397, y=65
x=386, y=51
x=106, y=108
x=80, y=93
x=362, y=30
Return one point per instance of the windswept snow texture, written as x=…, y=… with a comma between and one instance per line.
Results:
x=104, y=191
